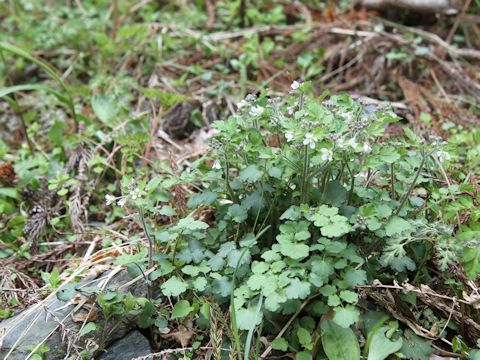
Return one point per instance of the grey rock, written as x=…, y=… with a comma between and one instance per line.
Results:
x=51, y=323
x=131, y=346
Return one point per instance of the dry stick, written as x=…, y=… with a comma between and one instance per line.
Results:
x=153, y=130
x=267, y=351
x=414, y=290
x=454, y=28
x=439, y=85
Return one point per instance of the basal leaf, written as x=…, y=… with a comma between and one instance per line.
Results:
x=339, y=343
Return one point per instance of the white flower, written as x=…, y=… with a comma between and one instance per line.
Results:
x=135, y=194
x=348, y=116
x=242, y=104
x=295, y=85
x=256, y=110
x=289, y=136
x=109, y=199
x=340, y=143
x=310, y=140
x=216, y=165
x=122, y=202
x=442, y=155
x=326, y=154
x=366, y=148
x=352, y=142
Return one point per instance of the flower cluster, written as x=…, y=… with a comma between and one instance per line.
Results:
x=133, y=193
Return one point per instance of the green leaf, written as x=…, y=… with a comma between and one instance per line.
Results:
x=145, y=319
x=294, y=251
x=250, y=174
x=181, y=309
x=297, y=289
x=389, y=155
x=356, y=277
x=414, y=347
x=396, y=226
x=9, y=192
x=105, y=108
x=126, y=259
x=381, y=346
x=471, y=261
x=279, y=344
x=292, y=213
x=346, y=316
x=174, y=287
x=200, y=283
x=305, y=338
x=330, y=223
x=56, y=133
x=67, y=292
x=303, y=355
x=204, y=198
x=248, y=318
x=89, y=327
x=167, y=210
x=339, y=343
x=335, y=193
x=349, y=296
x=237, y=213
x=190, y=223
x=205, y=310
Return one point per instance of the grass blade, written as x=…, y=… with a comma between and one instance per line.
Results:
x=66, y=99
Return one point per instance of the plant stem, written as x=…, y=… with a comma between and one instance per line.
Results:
x=304, y=180
x=352, y=184
x=151, y=249
x=412, y=185
x=227, y=183
x=392, y=190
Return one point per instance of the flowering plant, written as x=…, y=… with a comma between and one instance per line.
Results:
x=310, y=200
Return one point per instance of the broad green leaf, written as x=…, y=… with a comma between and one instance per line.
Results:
x=250, y=174
x=396, y=226
x=167, y=210
x=67, y=292
x=279, y=344
x=346, y=316
x=89, y=327
x=174, y=287
x=355, y=277
x=204, y=198
x=381, y=346
x=145, y=319
x=349, y=296
x=294, y=251
x=200, y=283
x=471, y=261
x=181, y=309
x=305, y=338
x=335, y=193
x=339, y=343
x=105, y=108
x=9, y=192
x=416, y=348
x=237, y=213
x=292, y=213
x=297, y=289
x=247, y=318
x=303, y=355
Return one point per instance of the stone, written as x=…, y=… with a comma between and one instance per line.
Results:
x=129, y=347
x=52, y=323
